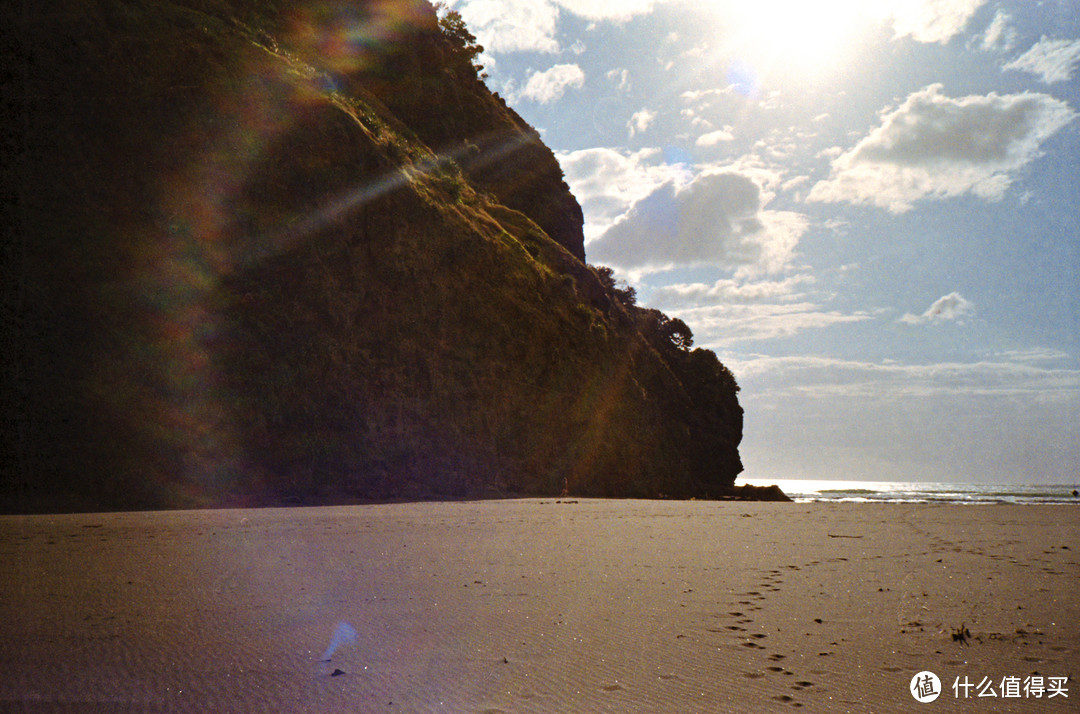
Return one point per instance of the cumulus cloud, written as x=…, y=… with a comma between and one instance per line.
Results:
x=718, y=218
x=716, y=137
x=948, y=308
x=511, y=26
x=930, y=20
x=1052, y=60
x=606, y=182
x=640, y=121
x=551, y=84
x=530, y=25
x=935, y=146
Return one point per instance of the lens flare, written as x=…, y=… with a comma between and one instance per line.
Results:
x=344, y=634
x=204, y=228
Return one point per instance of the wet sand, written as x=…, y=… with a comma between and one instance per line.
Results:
x=539, y=605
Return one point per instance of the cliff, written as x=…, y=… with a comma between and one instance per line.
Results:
x=297, y=252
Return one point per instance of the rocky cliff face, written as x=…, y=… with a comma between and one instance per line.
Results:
x=303, y=255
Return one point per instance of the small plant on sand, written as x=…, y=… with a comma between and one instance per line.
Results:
x=961, y=634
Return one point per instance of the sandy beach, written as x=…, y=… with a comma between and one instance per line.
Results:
x=541, y=605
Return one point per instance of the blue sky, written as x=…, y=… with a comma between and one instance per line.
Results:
x=869, y=210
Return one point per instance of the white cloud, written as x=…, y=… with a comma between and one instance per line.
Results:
x=735, y=310
x=1034, y=354
x=621, y=77
x=708, y=111
x=718, y=218
x=1053, y=60
x=549, y=85
x=511, y=25
x=948, y=308
x=831, y=377
x=640, y=121
x=715, y=137
x=615, y=10
x=992, y=419
x=696, y=52
x=530, y=25
x=831, y=153
x=934, y=146
x=795, y=182
x=683, y=296
x=930, y=20
x=721, y=325
x=606, y=182
x=694, y=95
x=999, y=33
x=696, y=121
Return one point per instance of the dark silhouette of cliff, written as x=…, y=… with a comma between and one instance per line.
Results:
x=297, y=253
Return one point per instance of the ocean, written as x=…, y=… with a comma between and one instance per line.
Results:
x=806, y=491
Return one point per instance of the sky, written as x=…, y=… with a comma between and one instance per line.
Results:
x=869, y=210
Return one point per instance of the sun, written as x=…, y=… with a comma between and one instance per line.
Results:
x=792, y=38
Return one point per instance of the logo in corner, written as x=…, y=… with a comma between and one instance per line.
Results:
x=925, y=687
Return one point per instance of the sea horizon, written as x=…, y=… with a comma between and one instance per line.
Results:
x=866, y=491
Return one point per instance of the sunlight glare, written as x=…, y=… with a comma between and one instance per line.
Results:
x=792, y=38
